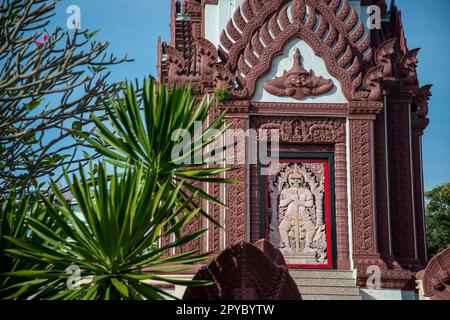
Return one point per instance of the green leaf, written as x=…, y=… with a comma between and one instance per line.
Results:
x=125, y=205
x=90, y=35
x=29, y=138
x=30, y=106
x=77, y=126
x=96, y=69
x=122, y=288
x=13, y=17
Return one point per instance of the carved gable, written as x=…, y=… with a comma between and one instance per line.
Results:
x=298, y=75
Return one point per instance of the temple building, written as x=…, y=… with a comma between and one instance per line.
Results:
x=346, y=202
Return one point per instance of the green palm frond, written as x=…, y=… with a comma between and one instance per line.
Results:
x=14, y=211
x=114, y=236
x=142, y=133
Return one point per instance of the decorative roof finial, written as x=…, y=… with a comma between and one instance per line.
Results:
x=178, y=7
x=298, y=68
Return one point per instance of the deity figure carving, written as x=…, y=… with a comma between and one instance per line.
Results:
x=297, y=199
x=298, y=83
x=297, y=225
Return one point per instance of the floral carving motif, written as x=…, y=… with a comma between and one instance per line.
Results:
x=305, y=130
x=236, y=225
x=206, y=56
x=175, y=61
x=362, y=187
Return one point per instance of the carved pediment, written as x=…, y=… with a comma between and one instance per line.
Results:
x=257, y=34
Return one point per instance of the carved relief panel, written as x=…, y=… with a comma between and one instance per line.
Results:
x=298, y=212
x=298, y=83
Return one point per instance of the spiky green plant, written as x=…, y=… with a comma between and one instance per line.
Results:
x=222, y=94
x=14, y=211
x=112, y=239
x=143, y=133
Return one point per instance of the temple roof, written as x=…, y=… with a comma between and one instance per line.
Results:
x=258, y=30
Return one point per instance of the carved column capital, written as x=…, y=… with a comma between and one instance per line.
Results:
x=365, y=108
x=397, y=91
x=234, y=107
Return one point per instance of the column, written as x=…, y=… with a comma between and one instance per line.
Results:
x=400, y=176
x=363, y=192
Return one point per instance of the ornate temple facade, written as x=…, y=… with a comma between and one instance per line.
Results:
x=348, y=190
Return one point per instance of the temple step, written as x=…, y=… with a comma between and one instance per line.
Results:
x=321, y=274
x=305, y=282
x=330, y=297
x=326, y=285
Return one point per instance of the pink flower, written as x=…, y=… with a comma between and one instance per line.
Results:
x=41, y=42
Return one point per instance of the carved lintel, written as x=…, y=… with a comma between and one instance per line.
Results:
x=319, y=109
x=235, y=106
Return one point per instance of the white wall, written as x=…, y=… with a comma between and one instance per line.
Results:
x=388, y=294
x=217, y=17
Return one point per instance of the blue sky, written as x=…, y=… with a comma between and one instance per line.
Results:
x=133, y=27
